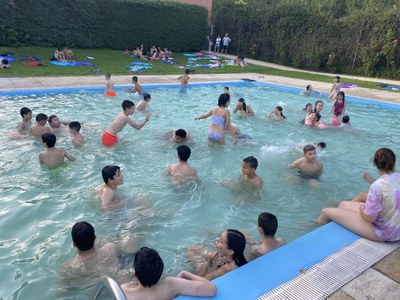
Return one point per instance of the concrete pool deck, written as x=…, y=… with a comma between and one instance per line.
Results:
x=378, y=282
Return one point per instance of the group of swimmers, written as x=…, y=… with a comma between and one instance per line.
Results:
x=377, y=219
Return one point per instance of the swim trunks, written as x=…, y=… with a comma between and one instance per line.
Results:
x=111, y=94
x=215, y=136
x=109, y=139
x=182, y=90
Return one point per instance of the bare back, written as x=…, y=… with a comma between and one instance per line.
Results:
x=54, y=157
x=38, y=130
x=118, y=124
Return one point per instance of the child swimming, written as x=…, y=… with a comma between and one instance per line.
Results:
x=338, y=106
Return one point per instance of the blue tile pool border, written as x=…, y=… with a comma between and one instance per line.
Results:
x=119, y=88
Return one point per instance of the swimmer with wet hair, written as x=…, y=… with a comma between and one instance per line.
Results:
x=112, y=178
x=230, y=247
x=144, y=104
x=277, y=114
x=244, y=108
x=308, y=165
x=182, y=170
x=25, y=124
x=39, y=128
x=149, y=267
x=109, y=137
x=77, y=138
x=90, y=260
x=248, y=172
x=53, y=157
x=267, y=225
x=309, y=90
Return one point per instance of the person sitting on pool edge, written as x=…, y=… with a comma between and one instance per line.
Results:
x=149, y=267
x=53, y=157
x=182, y=170
x=109, y=137
x=107, y=191
x=267, y=227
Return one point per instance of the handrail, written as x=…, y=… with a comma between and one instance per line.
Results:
x=108, y=286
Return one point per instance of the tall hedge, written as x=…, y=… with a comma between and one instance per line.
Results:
x=354, y=36
x=115, y=24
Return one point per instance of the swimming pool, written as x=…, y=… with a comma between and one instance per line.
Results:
x=39, y=206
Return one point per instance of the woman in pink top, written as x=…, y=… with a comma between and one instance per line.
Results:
x=379, y=218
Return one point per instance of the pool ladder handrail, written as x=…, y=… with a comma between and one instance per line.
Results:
x=112, y=286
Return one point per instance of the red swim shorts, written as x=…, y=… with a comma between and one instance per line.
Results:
x=109, y=139
x=111, y=94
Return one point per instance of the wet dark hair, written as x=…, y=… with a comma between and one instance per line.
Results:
x=223, y=99
x=346, y=119
x=337, y=78
x=49, y=139
x=41, y=117
x=308, y=104
x=187, y=71
x=83, y=236
x=127, y=104
x=280, y=109
x=24, y=111
x=268, y=222
x=146, y=96
x=251, y=161
x=108, y=75
x=50, y=120
x=134, y=78
x=183, y=152
x=148, y=266
x=317, y=116
x=181, y=133
x=109, y=172
x=236, y=242
x=241, y=100
x=307, y=148
x=316, y=103
x=75, y=125
x=341, y=93
x=321, y=145
x=227, y=88
x=308, y=87
x=385, y=160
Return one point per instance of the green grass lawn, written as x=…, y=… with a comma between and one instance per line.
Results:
x=114, y=62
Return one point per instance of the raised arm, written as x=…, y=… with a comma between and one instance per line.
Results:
x=138, y=126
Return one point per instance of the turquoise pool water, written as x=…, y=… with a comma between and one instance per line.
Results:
x=40, y=206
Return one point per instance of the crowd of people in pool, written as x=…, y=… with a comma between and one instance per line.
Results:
x=374, y=215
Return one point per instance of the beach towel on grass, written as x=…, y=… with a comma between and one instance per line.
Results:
x=29, y=57
x=72, y=63
x=33, y=64
x=10, y=58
